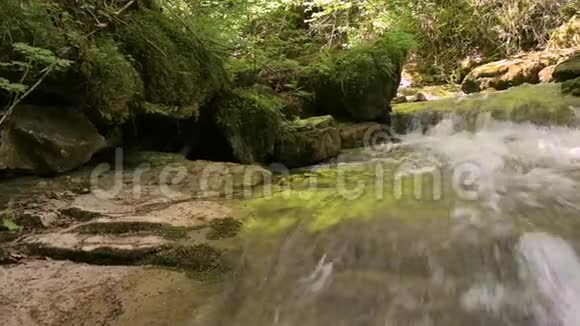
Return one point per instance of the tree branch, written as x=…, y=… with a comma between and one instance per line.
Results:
x=30, y=90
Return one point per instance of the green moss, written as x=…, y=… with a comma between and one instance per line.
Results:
x=540, y=104
x=198, y=258
x=114, y=84
x=144, y=59
x=441, y=91
x=251, y=121
x=224, y=228
x=166, y=231
x=179, y=69
x=100, y=256
x=324, y=121
x=571, y=87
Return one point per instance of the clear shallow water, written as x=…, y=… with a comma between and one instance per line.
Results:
x=490, y=238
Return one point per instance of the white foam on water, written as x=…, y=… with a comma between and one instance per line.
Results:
x=553, y=267
x=320, y=277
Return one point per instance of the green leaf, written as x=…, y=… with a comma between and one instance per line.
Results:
x=41, y=56
x=18, y=65
x=10, y=87
x=10, y=226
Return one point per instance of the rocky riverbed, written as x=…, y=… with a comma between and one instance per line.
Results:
x=140, y=250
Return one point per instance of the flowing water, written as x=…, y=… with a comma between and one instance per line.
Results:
x=451, y=227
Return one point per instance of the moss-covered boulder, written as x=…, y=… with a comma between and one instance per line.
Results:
x=139, y=60
x=179, y=68
x=251, y=121
x=311, y=141
x=359, y=83
x=518, y=70
x=47, y=140
x=568, y=69
x=571, y=87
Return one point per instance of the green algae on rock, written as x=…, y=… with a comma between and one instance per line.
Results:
x=326, y=197
x=540, y=104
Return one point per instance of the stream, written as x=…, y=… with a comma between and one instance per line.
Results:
x=450, y=227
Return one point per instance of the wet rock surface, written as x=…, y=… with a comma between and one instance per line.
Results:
x=90, y=248
x=316, y=139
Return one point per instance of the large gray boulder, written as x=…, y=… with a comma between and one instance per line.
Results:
x=47, y=140
x=313, y=140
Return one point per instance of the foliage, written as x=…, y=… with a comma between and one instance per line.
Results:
x=360, y=82
x=177, y=68
x=120, y=53
x=356, y=68
x=566, y=36
x=447, y=31
x=30, y=62
x=37, y=63
x=451, y=30
x=113, y=83
x=42, y=24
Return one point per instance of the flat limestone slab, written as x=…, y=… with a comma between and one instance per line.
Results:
x=90, y=242
x=187, y=215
